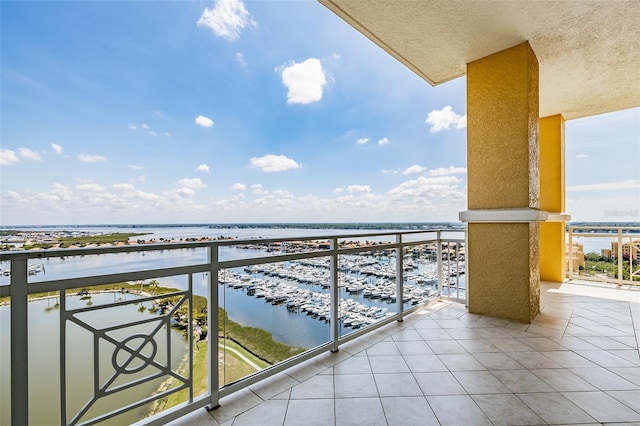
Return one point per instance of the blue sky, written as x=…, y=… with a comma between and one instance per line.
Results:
x=262, y=111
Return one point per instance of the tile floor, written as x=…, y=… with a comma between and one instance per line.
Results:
x=577, y=363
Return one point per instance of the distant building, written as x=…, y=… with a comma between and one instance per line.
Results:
x=629, y=250
x=576, y=254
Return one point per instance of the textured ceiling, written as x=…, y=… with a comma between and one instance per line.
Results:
x=589, y=51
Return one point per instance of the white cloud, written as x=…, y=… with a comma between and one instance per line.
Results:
x=184, y=192
x=611, y=186
x=145, y=126
x=191, y=183
x=152, y=133
x=240, y=59
x=445, y=118
x=167, y=134
x=257, y=189
x=238, y=187
x=87, y=158
x=413, y=169
x=428, y=192
x=227, y=19
x=383, y=141
x=135, y=167
x=28, y=154
x=581, y=156
x=203, y=121
x=56, y=148
x=132, y=126
x=202, y=168
x=274, y=163
x=446, y=171
x=335, y=56
x=8, y=157
x=353, y=189
x=362, y=141
x=304, y=81
x=123, y=186
x=90, y=187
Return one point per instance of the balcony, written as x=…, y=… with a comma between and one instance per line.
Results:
x=577, y=362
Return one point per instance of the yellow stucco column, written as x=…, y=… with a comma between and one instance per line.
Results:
x=503, y=184
x=552, y=198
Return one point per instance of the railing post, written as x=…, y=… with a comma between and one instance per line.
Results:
x=212, y=320
x=570, y=253
x=62, y=312
x=466, y=269
x=439, y=262
x=620, y=259
x=19, y=343
x=399, y=277
x=335, y=299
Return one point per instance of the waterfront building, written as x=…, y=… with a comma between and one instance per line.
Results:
x=575, y=252
x=630, y=250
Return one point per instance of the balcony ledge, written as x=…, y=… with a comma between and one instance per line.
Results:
x=522, y=215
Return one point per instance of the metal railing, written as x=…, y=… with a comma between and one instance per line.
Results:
x=619, y=252
x=128, y=353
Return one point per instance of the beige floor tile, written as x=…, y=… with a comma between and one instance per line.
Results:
x=359, y=411
x=497, y=361
x=425, y=323
x=461, y=362
x=383, y=348
x=563, y=380
x=522, y=381
x=568, y=359
x=604, y=379
x=510, y=344
x=414, y=348
x=408, y=411
x=235, y=404
x=434, y=334
x=406, y=335
x=477, y=345
x=480, y=382
x=440, y=347
x=542, y=344
x=355, y=386
x=439, y=383
x=603, y=407
x=309, y=412
x=272, y=386
x=424, y=363
x=317, y=387
x=397, y=384
x=629, y=398
x=269, y=412
x=457, y=410
x=353, y=365
x=605, y=358
x=388, y=364
x=463, y=333
x=631, y=374
x=554, y=408
x=532, y=360
x=506, y=409
x=575, y=343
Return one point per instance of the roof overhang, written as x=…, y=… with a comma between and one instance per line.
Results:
x=588, y=51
